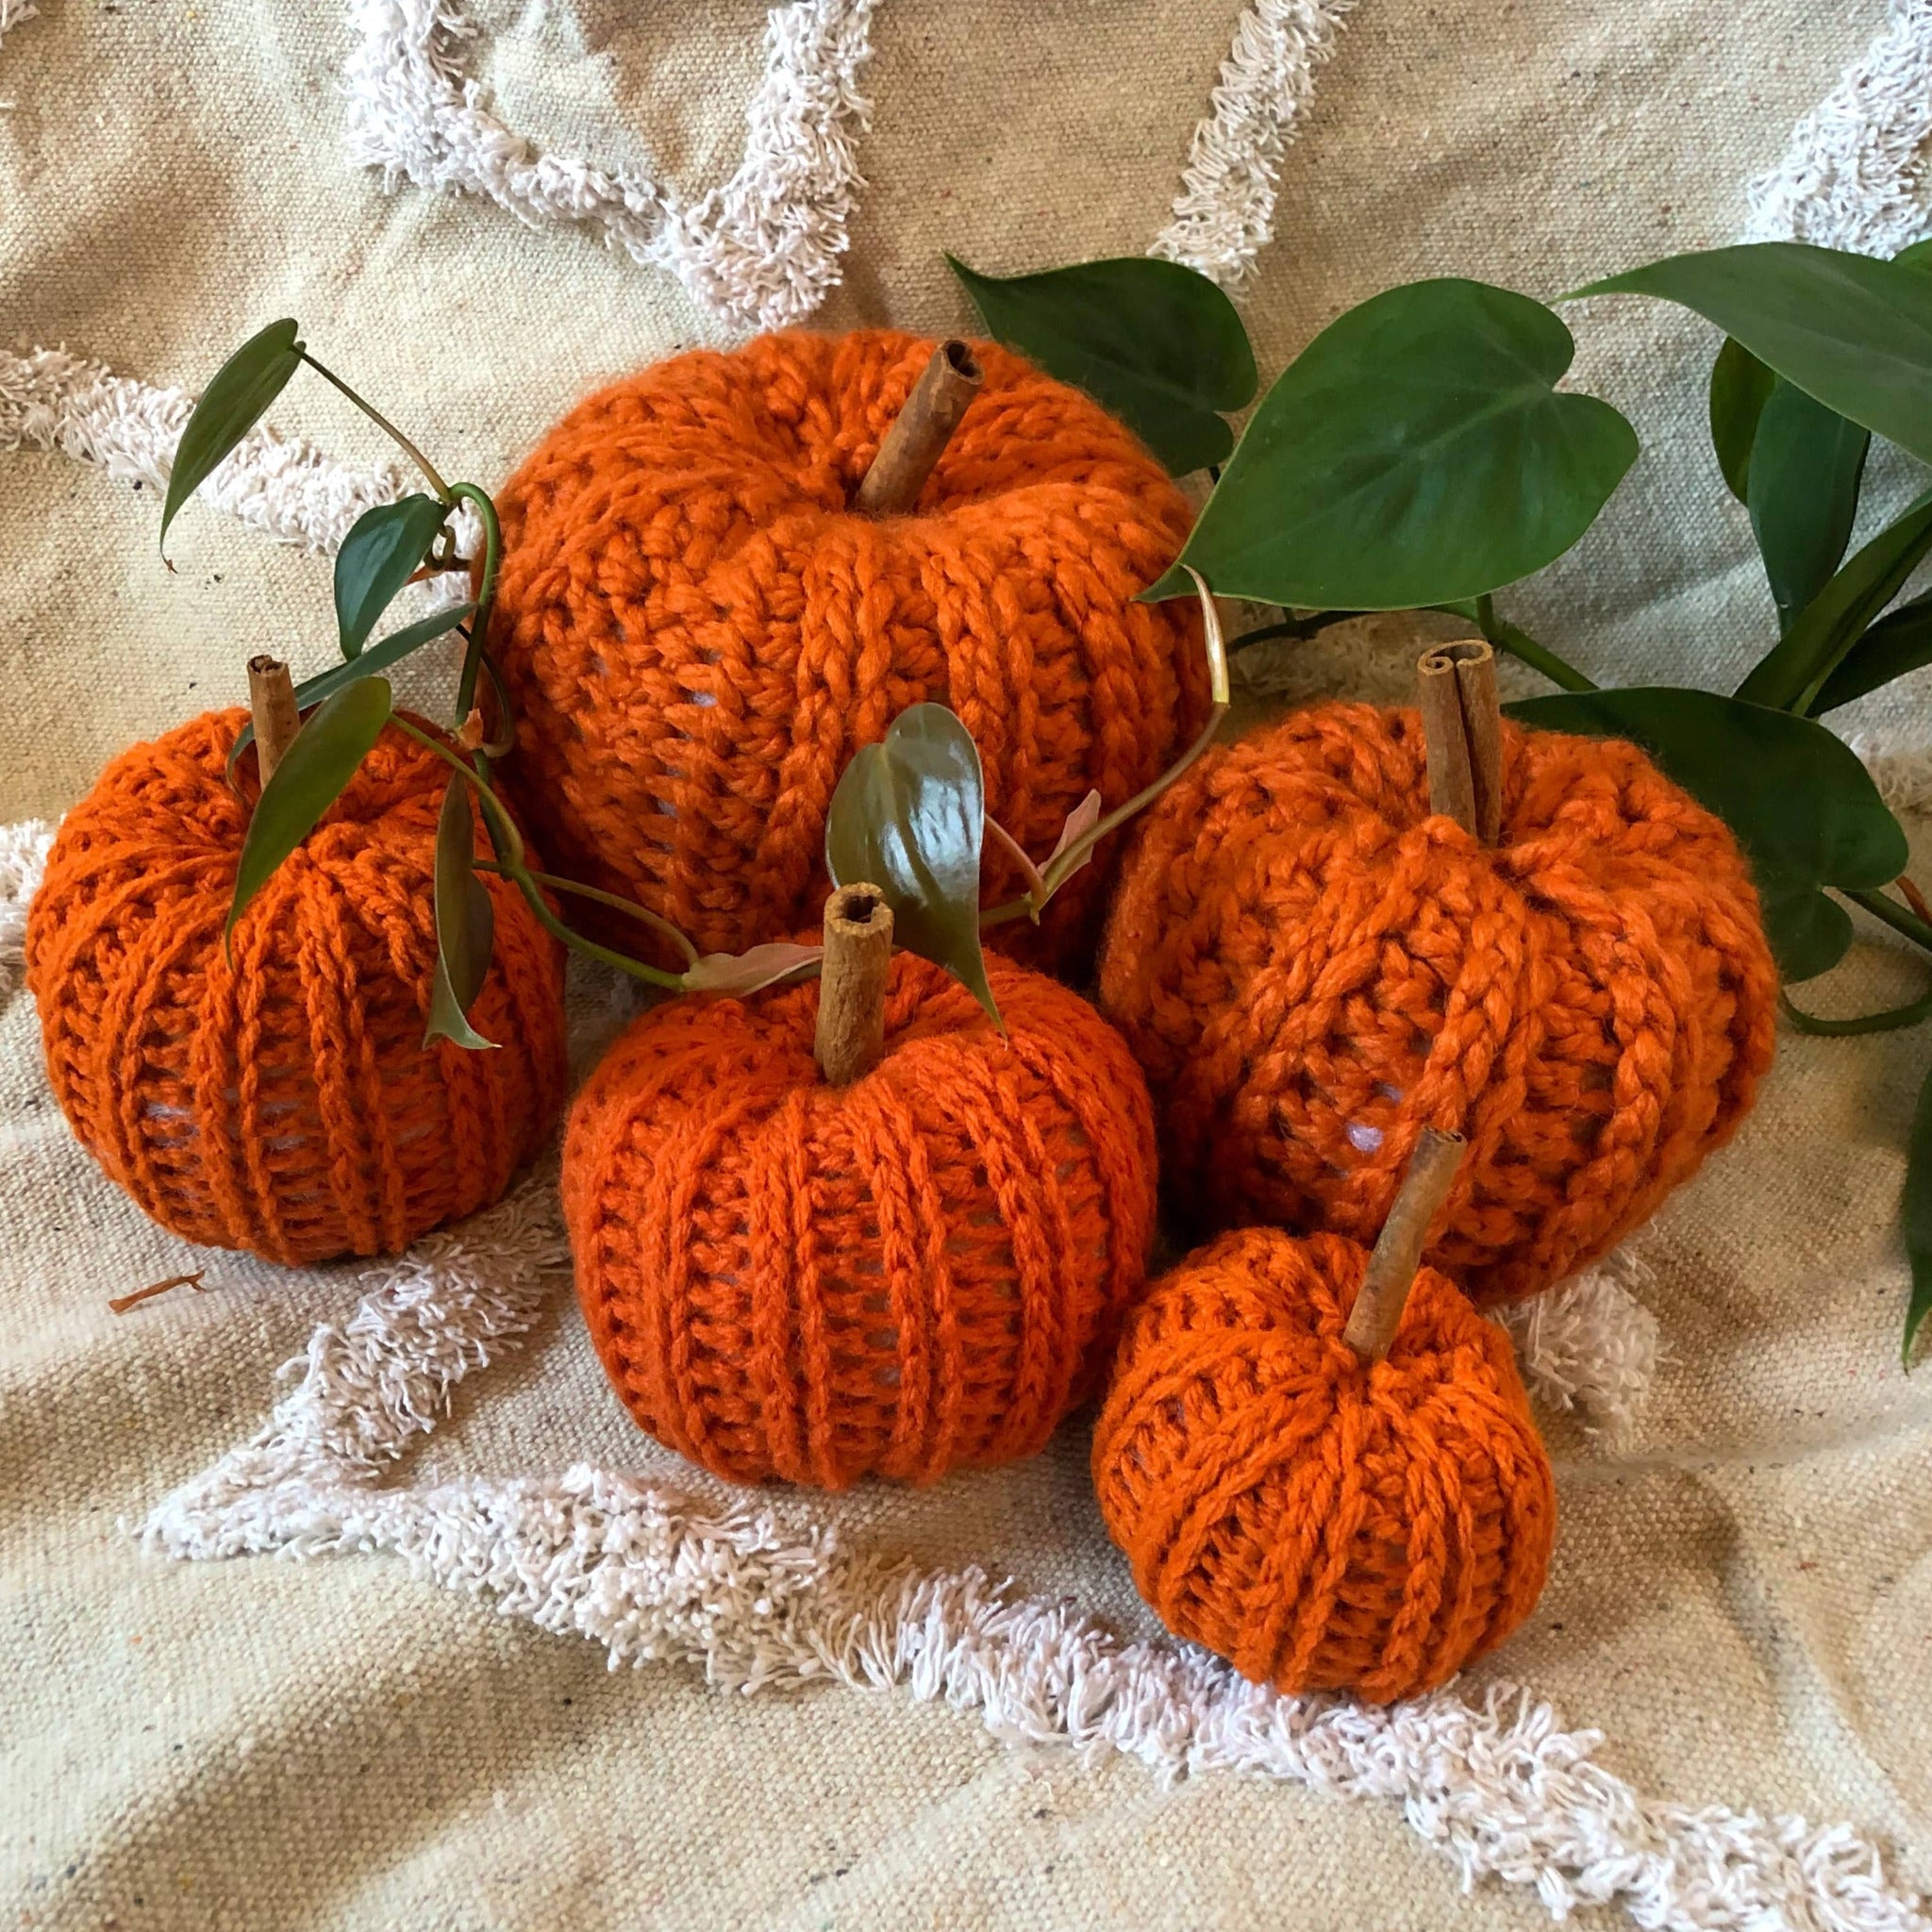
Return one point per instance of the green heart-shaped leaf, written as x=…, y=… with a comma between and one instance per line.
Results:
x=378, y=657
x=378, y=556
x=1802, y=489
x=465, y=922
x=310, y=777
x=1416, y=452
x=1852, y=331
x=1156, y=344
x=1740, y=386
x=1792, y=674
x=1801, y=804
x=908, y=816
x=230, y=407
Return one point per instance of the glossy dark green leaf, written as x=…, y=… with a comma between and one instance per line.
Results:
x=1807, y=465
x=1801, y=804
x=378, y=657
x=465, y=922
x=1416, y=452
x=378, y=556
x=1740, y=386
x=1915, y=1218
x=309, y=780
x=230, y=407
x=1900, y=642
x=1156, y=344
x=908, y=817
x=1852, y=331
x=734, y=975
x=1916, y=255
x=1793, y=673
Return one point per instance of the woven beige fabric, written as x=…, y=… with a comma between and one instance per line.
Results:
x=1743, y=1594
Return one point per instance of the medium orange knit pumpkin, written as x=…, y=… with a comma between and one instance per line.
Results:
x=917, y=1273
x=698, y=629
x=1324, y=1523
x=282, y=1099
x=1311, y=968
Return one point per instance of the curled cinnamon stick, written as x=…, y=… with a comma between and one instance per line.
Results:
x=271, y=700
x=851, y=983
x=1462, y=730
x=1378, y=1305
x=921, y=430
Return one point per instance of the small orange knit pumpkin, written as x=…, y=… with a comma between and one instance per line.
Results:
x=698, y=628
x=1310, y=967
x=917, y=1273
x=1323, y=1522
x=284, y=1102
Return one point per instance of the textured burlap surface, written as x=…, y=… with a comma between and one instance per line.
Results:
x=1742, y=1596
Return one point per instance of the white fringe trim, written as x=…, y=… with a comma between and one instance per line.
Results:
x=1225, y=213
x=1589, y=1343
x=756, y=1602
x=1855, y=174
x=24, y=850
x=12, y=12
x=282, y=486
x=759, y=252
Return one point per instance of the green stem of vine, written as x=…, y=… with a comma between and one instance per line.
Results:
x=1888, y=1022
x=479, y=501
x=615, y=900
x=1519, y=644
x=511, y=853
x=382, y=423
x=1301, y=629
x=1907, y=925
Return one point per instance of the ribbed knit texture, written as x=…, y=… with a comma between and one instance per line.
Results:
x=1312, y=968
x=699, y=632
x=283, y=1101
x=1321, y=1523
x=918, y=1273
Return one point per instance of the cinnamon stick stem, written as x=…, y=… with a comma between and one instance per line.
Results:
x=1462, y=732
x=921, y=430
x=271, y=700
x=851, y=983
x=1377, y=1312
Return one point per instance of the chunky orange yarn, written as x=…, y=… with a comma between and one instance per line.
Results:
x=284, y=1102
x=1323, y=1523
x=1312, y=968
x=918, y=1273
x=698, y=631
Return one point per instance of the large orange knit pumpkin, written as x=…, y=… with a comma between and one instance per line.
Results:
x=917, y=1273
x=1324, y=1523
x=698, y=629
x=282, y=1099
x=1312, y=968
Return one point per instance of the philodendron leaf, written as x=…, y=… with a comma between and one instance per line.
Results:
x=465, y=922
x=1802, y=489
x=908, y=817
x=378, y=657
x=1740, y=386
x=1915, y=1218
x=378, y=556
x=230, y=407
x=1158, y=343
x=1852, y=331
x=734, y=975
x=1801, y=804
x=1792, y=674
x=1416, y=452
x=310, y=777
x=1900, y=642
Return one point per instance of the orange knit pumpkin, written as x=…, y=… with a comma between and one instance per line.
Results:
x=1323, y=1522
x=698, y=630
x=284, y=1102
x=918, y=1273
x=1312, y=968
